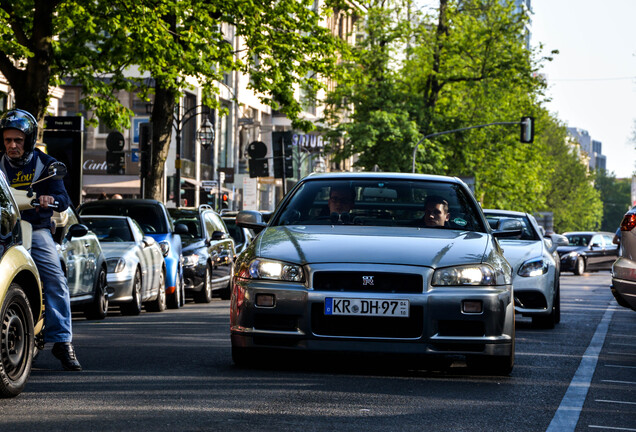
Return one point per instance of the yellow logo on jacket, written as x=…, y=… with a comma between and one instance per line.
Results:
x=21, y=179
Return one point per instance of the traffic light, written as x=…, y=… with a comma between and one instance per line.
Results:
x=115, y=156
x=225, y=200
x=282, y=149
x=527, y=129
x=145, y=149
x=258, y=163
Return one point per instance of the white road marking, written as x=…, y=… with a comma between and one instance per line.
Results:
x=616, y=402
x=619, y=382
x=567, y=415
x=611, y=428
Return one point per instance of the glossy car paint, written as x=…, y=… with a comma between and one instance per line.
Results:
x=374, y=250
x=138, y=255
x=624, y=268
x=598, y=256
x=535, y=296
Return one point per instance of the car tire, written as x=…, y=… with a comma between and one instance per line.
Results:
x=134, y=307
x=174, y=301
x=16, y=342
x=205, y=295
x=579, y=266
x=159, y=304
x=98, y=308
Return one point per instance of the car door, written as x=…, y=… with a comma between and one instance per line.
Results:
x=221, y=250
x=595, y=252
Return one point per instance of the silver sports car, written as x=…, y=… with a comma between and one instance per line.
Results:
x=136, y=269
x=535, y=274
x=376, y=262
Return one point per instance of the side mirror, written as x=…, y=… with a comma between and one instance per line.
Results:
x=559, y=240
x=218, y=235
x=181, y=229
x=77, y=230
x=508, y=227
x=251, y=219
x=57, y=170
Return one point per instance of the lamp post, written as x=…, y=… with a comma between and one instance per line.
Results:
x=205, y=135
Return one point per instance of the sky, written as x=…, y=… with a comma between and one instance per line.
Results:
x=592, y=81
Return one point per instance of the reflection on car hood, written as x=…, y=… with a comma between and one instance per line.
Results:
x=116, y=249
x=562, y=250
x=519, y=251
x=384, y=245
x=191, y=245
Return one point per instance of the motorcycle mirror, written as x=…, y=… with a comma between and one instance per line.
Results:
x=57, y=170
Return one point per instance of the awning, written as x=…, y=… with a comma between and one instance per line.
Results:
x=110, y=184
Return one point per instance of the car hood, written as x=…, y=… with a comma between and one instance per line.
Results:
x=116, y=249
x=562, y=250
x=372, y=245
x=190, y=246
x=519, y=251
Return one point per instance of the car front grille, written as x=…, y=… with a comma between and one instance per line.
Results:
x=530, y=300
x=367, y=326
x=372, y=282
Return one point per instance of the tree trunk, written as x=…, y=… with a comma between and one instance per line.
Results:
x=433, y=85
x=162, y=123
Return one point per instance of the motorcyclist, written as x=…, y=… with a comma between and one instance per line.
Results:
x=23, y=164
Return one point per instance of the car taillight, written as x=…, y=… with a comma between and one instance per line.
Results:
x=629, y=222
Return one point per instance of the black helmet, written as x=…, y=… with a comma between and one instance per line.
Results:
x=24, y=122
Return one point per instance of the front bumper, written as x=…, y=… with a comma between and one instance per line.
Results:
x=193, y=278
x=568, y=262
x=534, y=296
x=436, y=325
x=121, y=288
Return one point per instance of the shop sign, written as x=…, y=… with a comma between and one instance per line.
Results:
x=309, y=142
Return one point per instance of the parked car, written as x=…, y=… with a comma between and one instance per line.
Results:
x=84, y=264
x=152, y=216
x=535, y=275
x=136, y=269
x=624, y=268
x=242, y=236
x=21, y=304
x=375, y=279
x=588, y=251
x=208, y=253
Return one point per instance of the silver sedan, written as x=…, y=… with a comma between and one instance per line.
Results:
x=376, y=262
x=136, y=269
x=535, y=274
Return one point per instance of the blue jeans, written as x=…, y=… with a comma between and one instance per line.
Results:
x=57, y=301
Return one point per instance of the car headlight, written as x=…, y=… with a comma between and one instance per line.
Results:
x=478, y=274
x=165, y=247
x=190, y=260
x=115, y=265
x=533, y=267
x=275, y=270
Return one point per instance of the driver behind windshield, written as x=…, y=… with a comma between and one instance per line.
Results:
x=341, y=199
x=435, y=211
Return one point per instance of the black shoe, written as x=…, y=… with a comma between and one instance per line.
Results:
x=65, y=353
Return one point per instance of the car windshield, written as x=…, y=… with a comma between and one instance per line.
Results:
x=527, y=231
x=109, y=230
x=381, y=202
x=235, y=232
x=149, y=217
x=578, y=239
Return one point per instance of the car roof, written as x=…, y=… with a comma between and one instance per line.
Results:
x=505, y=212
x=380, y=175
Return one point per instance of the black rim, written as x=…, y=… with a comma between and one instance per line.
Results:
x=15, y=341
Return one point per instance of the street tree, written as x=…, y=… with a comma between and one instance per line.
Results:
x=162, y=48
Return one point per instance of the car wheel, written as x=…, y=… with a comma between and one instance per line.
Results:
x=134, y=307
x=16, y=342
x=174, y=301
x=159, y=304
x=579, y=267
x=98, y=309
x=205, y=295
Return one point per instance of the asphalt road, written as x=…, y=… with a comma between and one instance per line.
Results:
x=172, y=371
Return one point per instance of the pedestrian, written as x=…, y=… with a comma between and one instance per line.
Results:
x=23, y=164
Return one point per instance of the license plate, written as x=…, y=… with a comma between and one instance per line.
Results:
x=366, y=307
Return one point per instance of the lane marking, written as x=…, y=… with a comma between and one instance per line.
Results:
x=616, y=402
x=567, y=415
x=620, y=366
x=619, y=382
x=610, y=428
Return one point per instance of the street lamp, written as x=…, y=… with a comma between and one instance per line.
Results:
x=205, y=136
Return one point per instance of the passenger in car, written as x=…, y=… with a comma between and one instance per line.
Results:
x=436, y=212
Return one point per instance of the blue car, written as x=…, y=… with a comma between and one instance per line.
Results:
x=152, y=216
